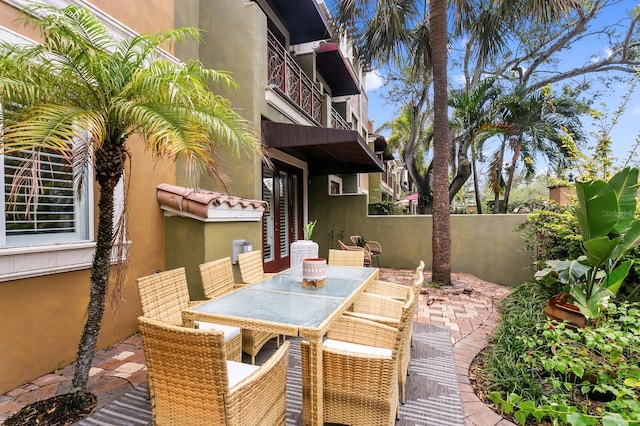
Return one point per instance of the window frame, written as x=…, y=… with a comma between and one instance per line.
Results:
x=31, y=259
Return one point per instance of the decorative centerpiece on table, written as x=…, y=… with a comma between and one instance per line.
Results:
x=314, y=272
x=303, y=249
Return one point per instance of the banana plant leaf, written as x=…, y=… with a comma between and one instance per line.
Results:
x=563, y=271
x=592, y=306
x=631, y=239
x=616, y=277
x=599, y=250
x=597, y=210
x=625, y=186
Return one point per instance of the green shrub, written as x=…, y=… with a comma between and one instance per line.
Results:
x=580, y=376
x=521, y=311
x=552, y=234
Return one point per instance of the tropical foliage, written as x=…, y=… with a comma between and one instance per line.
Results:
x=84, y=94
x=606, y=216
x=547, y=371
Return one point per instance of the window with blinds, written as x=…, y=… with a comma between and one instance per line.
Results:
x=56, y=214
x=284, y=214
x=267, y=217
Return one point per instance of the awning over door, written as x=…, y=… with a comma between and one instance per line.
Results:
x=326, y=151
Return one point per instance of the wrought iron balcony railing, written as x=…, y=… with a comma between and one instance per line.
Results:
x=287, y=75
x=337, y=122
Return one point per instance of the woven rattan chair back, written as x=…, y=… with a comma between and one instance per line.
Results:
x=346, y=257
x=406, y=337
x=164, y=295
x=188, y=373
x=251, y=268
x=367, y=256
x=368, y=395
x=217, y=277
x=251, y=271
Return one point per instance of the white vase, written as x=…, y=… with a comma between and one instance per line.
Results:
x=300, y=250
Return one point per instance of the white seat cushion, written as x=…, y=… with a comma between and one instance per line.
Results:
x=229, y=331
x=356, y=348
x=237, y=371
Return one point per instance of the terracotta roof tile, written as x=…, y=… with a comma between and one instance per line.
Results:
x=200, y=201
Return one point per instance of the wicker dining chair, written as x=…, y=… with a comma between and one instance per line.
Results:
x=394, y=313
x=418, y=283
x=346, y=257
x=367, y=255
x=389, y=289
x=251, y=267
x=164, y=295
x=192, y=383
x=359, y=370
x=217, y=277
x=373, y=247
x=251, y=271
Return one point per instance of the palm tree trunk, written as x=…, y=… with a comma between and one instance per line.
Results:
x=99, y=282
x=498, y=179
x=512, y=172
x=476, y=184
x=109, y=165
x=441, y=240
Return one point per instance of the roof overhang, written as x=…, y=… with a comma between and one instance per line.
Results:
x=303, y=18
x=326, y=151
x=336, y=70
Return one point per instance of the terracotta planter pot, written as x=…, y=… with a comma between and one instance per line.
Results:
x=557, y=309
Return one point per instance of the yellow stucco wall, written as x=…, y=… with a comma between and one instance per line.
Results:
x=141, y=16
x=234, y=40
x=42, y=317
x=234, y=34
x=191, y=242
x=484, y=245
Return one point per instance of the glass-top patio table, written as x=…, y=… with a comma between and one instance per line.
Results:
x=280, y=305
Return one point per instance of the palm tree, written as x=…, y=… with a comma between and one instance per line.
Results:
x=82, y=94
x=473, y=118
x=386, y=30
x=441, y=146
x=534, y=124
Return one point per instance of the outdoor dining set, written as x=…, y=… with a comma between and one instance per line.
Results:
x=355, y=336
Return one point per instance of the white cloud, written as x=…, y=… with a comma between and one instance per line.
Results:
x=636, y=111
x=606, y=54
x=373, y=81
x=459, y=78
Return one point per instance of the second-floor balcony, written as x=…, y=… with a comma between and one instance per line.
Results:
x=287, y=76
x=337, y=122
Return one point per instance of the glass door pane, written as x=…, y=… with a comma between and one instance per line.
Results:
x=282, y=224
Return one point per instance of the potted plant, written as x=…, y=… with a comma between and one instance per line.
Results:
x=308, y=230
x=609, y=229
x=359, y=241
x=302, y=249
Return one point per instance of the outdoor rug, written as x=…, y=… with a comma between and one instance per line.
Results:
x=433, y=395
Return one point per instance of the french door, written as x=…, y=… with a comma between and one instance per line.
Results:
x=282, y=224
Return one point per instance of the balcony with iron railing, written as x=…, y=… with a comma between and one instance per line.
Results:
x=337, y=122
x=287, y=76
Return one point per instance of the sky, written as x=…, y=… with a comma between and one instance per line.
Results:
x=623, y=134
